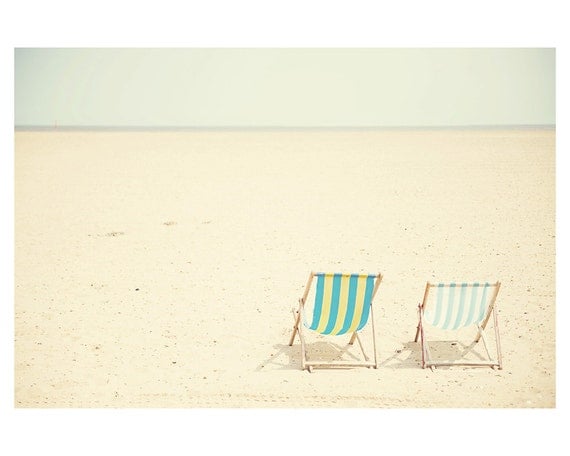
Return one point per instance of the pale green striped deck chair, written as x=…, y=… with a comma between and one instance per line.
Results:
x=342, y=305
x=450, y=309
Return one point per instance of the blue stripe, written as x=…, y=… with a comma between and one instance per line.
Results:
x=318, y=301
x=483, y=303
x=460, y=310
x=472, y=304
x=438, y=303
x=367, y=300
x=333, y=314
x=451, y=298
x=351, y=304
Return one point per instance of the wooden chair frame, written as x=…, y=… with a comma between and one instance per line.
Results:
x=299, y=329
x=427, y=360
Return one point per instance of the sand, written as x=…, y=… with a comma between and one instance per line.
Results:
x=159, y=269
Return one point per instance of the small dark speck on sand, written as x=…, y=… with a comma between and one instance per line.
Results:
x=115, y=233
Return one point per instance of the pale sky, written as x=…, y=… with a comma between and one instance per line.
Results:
x=307, y=87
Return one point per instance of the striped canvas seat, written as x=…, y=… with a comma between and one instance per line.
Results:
x=458, y=306
x=342, y=305
x=453, y=306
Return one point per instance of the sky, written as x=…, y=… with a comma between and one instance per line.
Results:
x=284, y=87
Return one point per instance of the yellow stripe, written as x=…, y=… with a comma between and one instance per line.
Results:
x=359, y=304
x=342, y=304
x=326, y=310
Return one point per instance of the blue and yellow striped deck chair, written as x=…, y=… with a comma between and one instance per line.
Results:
x=342, y=305
x=448, y=308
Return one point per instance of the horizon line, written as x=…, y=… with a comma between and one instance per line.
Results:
x=276, y=127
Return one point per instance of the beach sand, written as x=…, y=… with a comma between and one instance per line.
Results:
x=159, y=268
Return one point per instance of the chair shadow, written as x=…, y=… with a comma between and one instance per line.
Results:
x=408, y=357
x=454, y=351
x=324, y=351
x=448, y=350
x=274, y=359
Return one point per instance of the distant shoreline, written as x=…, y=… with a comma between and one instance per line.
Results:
x=51, y=128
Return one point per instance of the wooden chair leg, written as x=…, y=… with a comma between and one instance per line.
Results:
x=418, y=327
x=497, y=339
x=361, y=346
x=296, y=327
x=484, y=339
x=352, y=338
x=423, y=342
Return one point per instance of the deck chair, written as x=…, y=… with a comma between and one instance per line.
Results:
x=449, y=308
x=342, y=305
